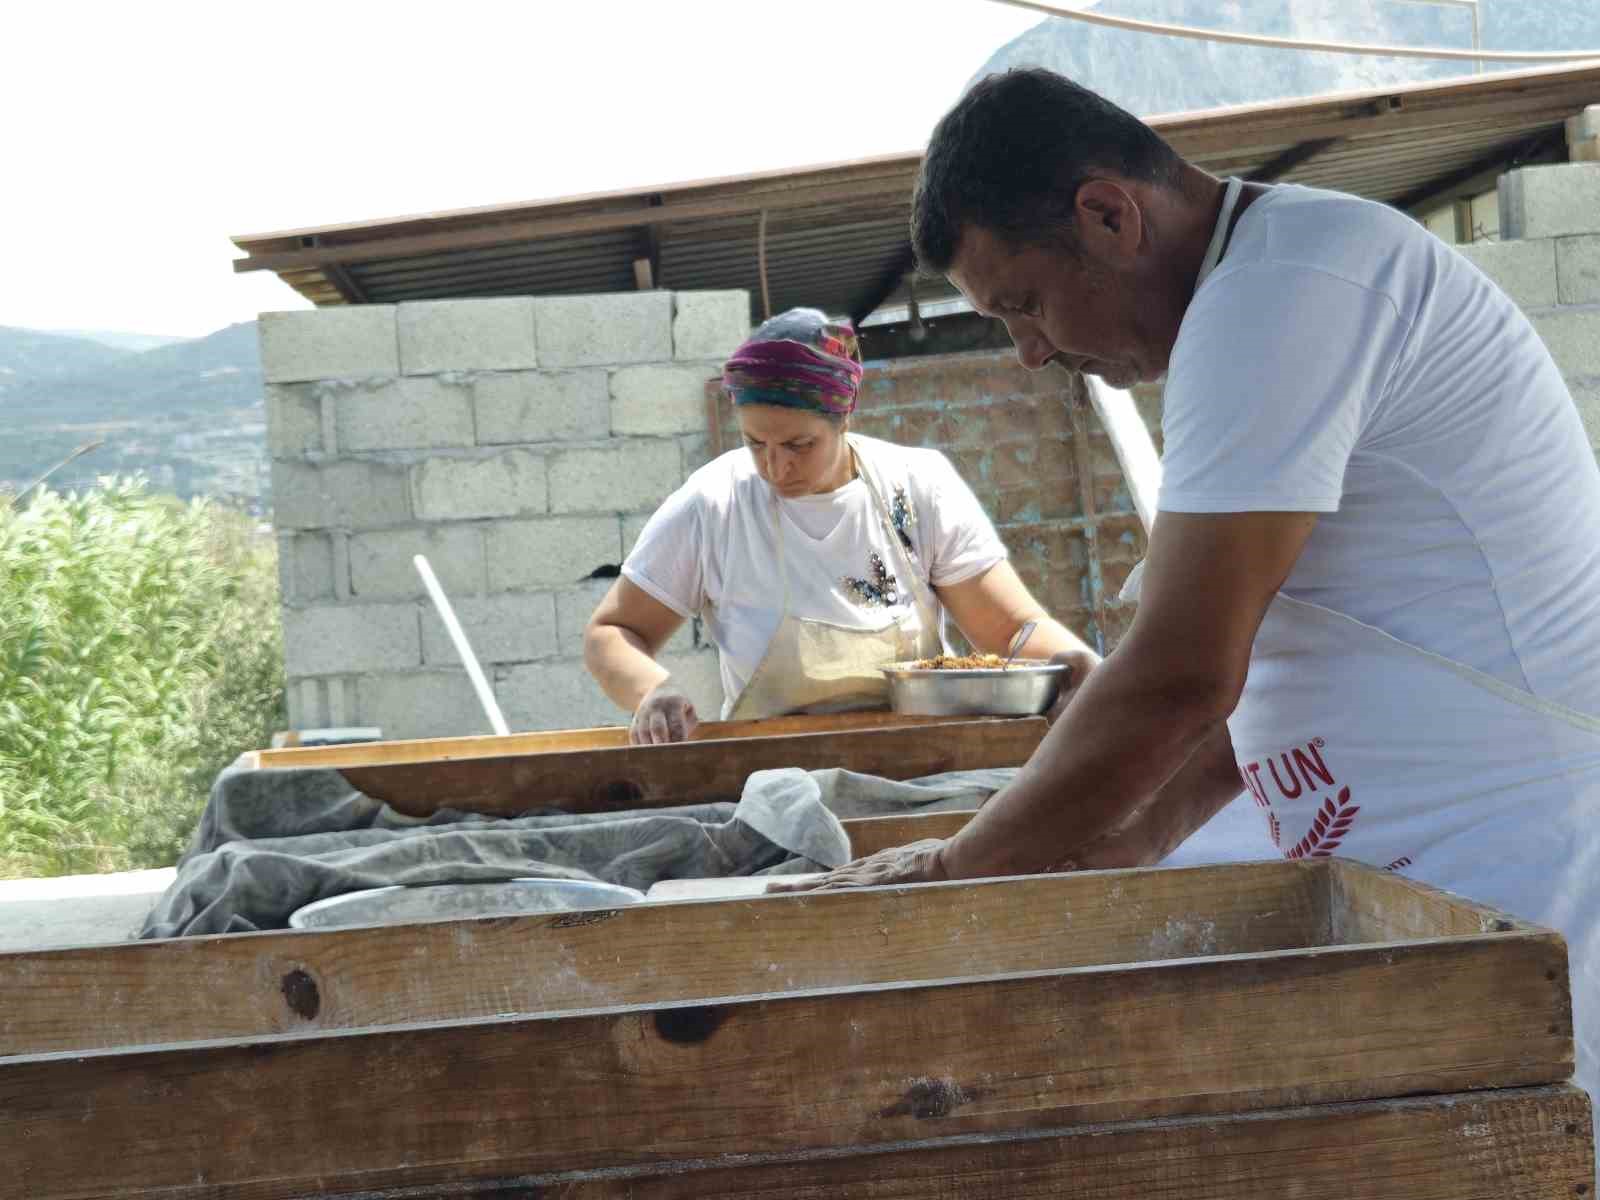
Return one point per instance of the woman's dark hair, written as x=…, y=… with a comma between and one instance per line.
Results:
x=1010, y=156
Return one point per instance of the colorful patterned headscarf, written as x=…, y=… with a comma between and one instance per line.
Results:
x=797, y=359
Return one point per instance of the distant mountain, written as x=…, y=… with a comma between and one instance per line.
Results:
x=28, y=356
x=122, y=341
x=1150, y=75
x=188, y=413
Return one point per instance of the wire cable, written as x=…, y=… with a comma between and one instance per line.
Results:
x=1255, y=39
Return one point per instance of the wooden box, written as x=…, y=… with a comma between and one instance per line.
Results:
x=1309, y=1029
x=595, y=770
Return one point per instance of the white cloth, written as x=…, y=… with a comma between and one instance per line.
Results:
x=709, y=550
x=1420, y=690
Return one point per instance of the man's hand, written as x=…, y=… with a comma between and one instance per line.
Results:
x=664, y=715
x=919, y=862
x=1081, y=662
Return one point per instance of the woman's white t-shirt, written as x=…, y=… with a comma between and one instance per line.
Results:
x=709, y=552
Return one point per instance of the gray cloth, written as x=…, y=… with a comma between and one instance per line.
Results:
x=272, y=841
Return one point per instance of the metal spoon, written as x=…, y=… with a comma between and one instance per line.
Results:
x=1019, y=641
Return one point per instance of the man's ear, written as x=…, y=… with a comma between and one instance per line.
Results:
x=1110, y=224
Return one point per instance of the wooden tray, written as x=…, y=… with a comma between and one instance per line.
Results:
x=596, y=770
x=1203, y=1032
x=555, y=741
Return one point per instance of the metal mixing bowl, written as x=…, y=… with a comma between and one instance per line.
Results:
x=403, y=904
x=1020, y=690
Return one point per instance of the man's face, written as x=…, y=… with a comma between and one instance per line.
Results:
x=1060, y=306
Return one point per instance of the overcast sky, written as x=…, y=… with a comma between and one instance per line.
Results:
x=139, y=136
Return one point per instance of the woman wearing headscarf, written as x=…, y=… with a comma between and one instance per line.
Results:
x=813, y=555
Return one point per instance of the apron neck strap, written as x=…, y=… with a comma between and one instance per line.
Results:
x=1219, y=235
x=924, y=605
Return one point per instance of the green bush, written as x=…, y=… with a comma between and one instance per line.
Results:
x=140, y=653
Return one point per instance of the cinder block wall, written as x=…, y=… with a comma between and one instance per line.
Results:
x=519, y=443
x=1548, y=261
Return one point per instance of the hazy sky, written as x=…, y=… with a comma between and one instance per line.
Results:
x=139, y=136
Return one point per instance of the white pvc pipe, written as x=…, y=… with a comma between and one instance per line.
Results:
x=468, y=658
x=1136, y=449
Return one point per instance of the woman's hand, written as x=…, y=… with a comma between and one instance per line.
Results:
x=920, y=862
x=1081, y=662
x=664, y=715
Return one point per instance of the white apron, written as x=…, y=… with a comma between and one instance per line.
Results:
x=1353, y=742
x=819, y=666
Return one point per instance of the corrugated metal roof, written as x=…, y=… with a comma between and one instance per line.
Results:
x=835, y=235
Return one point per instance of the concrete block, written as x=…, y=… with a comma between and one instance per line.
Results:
x=559, y=694
x=709, y=324
x=1583, y=135
x=305, y=567
x=1586, y=395
x=355, y=341
x=541, y=406
x=622, y=477
x=342, y=495
x=381, y=566
x=632, y=525
x=414, y=412
x=696, y=451
x=508, y=628
x=458, y=489
x=1550, y=201
x=1578, y=269
x=421, y=704
x=1525, y=271
x=294, y=420
x=322, y=702
x=588, y=331
x=553, y=552
x=575, y=605
x=467, y=335
x=344, y=639
x=1573, y=336
x=659, y=400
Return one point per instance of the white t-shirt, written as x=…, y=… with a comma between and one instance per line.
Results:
x=1342, y=360
x=709, y=552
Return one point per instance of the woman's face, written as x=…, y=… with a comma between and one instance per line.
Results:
x=797, y=451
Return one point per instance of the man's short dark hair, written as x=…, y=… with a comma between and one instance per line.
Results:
x=1010, y=156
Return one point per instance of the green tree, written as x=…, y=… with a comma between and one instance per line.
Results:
x=140, y=652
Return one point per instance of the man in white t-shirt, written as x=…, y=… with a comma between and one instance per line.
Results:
x=1371, y=603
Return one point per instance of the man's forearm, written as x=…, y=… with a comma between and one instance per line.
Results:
x=1200, y=790
x=1125, y=735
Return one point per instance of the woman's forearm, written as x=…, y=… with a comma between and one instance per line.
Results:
x=1048, y=638
x=621, y=664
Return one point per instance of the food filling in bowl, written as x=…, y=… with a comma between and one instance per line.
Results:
x=959, y=662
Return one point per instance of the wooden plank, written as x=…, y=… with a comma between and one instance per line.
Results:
x=190, y=989
x=1368, y=905
x=868, y=835
x=558, y=740
x=1532, y=1143
x=610, y=780
x=423, y=1105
